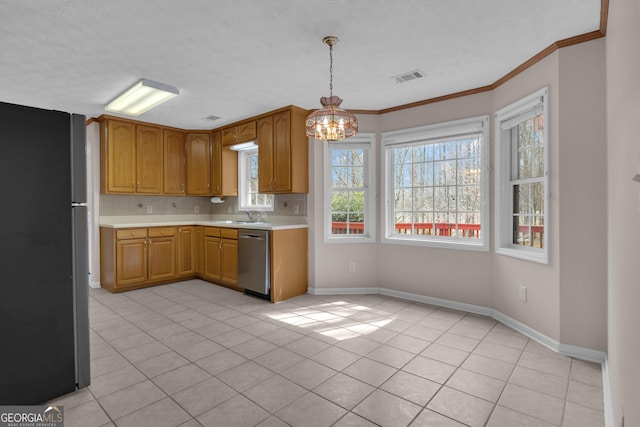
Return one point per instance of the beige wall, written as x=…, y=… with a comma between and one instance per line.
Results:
x=541, y=311
x=623, y=160
x=563, y=297
x=582, y=197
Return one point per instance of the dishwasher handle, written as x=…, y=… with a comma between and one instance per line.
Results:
x=251, y=236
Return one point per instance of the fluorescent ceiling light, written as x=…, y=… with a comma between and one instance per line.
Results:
x=142, y=97
x=244, y=146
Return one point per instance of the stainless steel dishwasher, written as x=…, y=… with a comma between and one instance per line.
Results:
x=254, y=262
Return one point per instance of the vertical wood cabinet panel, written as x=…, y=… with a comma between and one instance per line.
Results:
x=174, y=163
x=198, y=234
x=131, y=256
x=162, y=258
x=185, y=252
x=265, y=155
x=282, y=152
x=212, y=256
x=117, y=157
x=229, y=261
x=198, y=161
x=149, y=150
x=216, y=164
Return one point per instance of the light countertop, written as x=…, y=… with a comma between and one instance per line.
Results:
x=230, y=221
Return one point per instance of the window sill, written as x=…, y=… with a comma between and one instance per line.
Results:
x=438, y=243
x=524, y=254
x=349, y=239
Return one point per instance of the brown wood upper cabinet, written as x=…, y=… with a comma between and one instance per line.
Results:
x=130, y=158
x=174, y=163
x=243, y=132
x=224, y=168
x=198, y=162
x=283, y=152
x=117, y=157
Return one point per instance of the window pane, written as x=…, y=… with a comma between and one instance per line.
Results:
x=521, y=199
x=469, y=170
x=339, y=205
x=423, y=198
x=445, y=172
x=444, y=151
x=444, y=198
x=537, y=198
x=402, y=176
x=469, y=198
x=403, y=199
x=423, y=174
x=356, y=177
x=339, y=177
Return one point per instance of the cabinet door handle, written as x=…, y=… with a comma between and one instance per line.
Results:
x=183, y=188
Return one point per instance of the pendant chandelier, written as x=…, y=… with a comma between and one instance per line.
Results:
x=331, y=123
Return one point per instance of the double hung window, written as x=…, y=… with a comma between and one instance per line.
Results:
x=249, y=199
x=349, y=210
x=436, y=185
x=521, y=178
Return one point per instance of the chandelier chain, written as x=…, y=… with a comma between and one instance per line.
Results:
x=331, y=69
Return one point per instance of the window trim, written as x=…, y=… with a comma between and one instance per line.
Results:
x=432, y=132
x=361, y=140
x=242, y=183
x=505, y=119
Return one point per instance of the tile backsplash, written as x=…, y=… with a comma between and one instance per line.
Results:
x=113, y=205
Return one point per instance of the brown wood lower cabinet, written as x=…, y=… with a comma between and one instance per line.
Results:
x=221, y=255
x=132, y=258
x=136, y=257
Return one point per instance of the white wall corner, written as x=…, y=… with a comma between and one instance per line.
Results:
x=606, y=392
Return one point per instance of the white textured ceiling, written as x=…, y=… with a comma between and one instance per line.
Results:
x=236, y=59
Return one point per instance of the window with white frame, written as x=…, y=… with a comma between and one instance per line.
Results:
x=349, y=211
x=249, y=199
x=522, y=141
x=436, y=185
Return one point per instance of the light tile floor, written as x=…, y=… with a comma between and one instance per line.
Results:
x=193, y=353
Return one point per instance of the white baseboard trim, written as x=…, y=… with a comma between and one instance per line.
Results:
x=343, y=291
x=94, y=285
x=566, y=349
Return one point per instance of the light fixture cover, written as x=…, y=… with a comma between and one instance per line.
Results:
x=331, y=123
x=141, y=97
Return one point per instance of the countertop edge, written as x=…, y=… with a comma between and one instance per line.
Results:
x=267, y=226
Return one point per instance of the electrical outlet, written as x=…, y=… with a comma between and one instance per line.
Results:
x=352, y=266
x=523, y=293
x=296, y=209
x=196, y=209
x=149, y=209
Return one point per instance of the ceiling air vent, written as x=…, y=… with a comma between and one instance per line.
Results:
x=406, y=77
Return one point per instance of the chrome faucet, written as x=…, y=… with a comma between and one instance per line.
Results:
x=256, y=216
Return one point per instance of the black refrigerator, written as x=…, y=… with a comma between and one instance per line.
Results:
x=44, y=274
